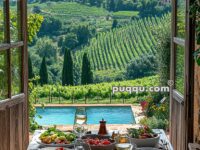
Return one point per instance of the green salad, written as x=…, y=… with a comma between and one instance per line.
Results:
x=55, y=136
x=141, y=133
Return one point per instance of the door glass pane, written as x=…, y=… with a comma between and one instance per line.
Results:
x=179, y=76
x=16, y=69
x=1, y=22
x=3, y=75
x=181, y=7
x=15, y=22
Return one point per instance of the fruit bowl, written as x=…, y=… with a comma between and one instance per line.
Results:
x=98, y=142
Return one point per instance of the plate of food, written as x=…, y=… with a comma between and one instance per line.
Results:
x=54, y=148
x=53, y=137
x=143, y=137
x=147, y=148
x=97, y=142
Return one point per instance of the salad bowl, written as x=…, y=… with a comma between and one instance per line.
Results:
x=148, y=142
x=143, y=137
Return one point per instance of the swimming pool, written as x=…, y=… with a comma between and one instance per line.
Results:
x=65, y=115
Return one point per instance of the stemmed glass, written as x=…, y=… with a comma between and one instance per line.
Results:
x=80, y=128
x=81, y=145
x=80, y=131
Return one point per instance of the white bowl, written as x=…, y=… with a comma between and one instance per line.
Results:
x=148, y=142
x=148, y=148
x=124, y=146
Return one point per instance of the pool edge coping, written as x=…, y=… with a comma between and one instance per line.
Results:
x=83, y=105
x=136, y=109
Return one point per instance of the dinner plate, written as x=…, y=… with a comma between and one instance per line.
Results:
x=53, y=148
x=147, y=148
x=52, y=144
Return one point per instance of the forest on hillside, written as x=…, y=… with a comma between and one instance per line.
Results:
x=109, y=36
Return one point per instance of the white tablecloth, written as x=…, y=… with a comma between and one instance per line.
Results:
x=34, y=145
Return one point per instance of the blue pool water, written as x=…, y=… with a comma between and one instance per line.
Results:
x=65, y=115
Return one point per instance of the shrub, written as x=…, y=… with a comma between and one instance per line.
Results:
x=49, y=26
x=163, y=48
x=146, y=65
x=155, y=123
x=156, y=108
x=33, y=125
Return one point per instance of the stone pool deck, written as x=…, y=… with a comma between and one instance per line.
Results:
x=136, y=109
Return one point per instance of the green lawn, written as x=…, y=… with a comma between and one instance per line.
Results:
x=69, y=10
x=123, y=14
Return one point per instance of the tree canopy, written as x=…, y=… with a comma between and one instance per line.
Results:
x=145, y=65
x=34, y=24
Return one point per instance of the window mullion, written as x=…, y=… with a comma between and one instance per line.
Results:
x=7, y=40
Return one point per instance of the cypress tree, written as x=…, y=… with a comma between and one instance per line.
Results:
x=30, y=68
x=67, y=72
x=111, y=5
x=43, y=72
x=87, y=75
x=114, y=24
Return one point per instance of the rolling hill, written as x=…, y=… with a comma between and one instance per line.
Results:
x=116, y=48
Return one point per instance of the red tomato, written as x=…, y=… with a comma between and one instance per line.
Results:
x=96, y=141
x=106, y=142
x=61, y=148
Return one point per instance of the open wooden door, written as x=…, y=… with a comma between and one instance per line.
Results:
x=181, y=98
x=13, y=75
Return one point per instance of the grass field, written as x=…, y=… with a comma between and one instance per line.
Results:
x=124, y=14
x=69, y=10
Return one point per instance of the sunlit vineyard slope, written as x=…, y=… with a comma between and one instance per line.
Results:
x=115, y=49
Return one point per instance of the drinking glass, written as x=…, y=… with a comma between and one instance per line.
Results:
x=124, y=143
x=81, y=145
x=80, y=130
x=80, y=116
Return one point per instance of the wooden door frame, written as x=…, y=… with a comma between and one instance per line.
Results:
x=190, y=69
x=21, y=98
x=188, y=99
x=25, y=75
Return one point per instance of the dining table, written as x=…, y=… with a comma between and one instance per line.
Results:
x=164, y=143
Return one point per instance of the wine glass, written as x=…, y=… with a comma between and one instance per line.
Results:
x=80, y=144
x=80, y=130
x=80, y=116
